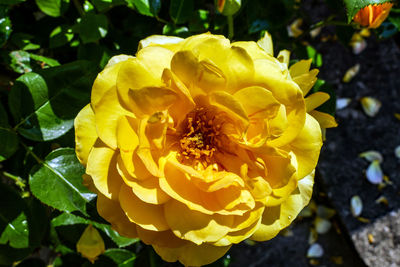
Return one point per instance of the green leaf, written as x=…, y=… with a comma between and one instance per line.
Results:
x=181, y=10
x=155, y=7
x=8, y=144
x=23, y=41
x=71, y=219
x=122, y=257
x=11, y=208
x=315, y=56
x=5, y=25
x=395, y=21
x=353, y=6
x=54, y=8
x=16, y=233
x=199, y=21
x=11, y=205
x=95, y=53
x=57, y=182
x=9, y=139
x=171, y=29
x=142, y=6
x=61, y=174
x=46, y=60
x=104, y=5
x=92, y=27
x=20, y=61
x=44, y=104
x=60, y=36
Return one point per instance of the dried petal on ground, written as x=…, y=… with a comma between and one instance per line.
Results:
x=397, y=152
x=356, y=206
x=350, y=73
x=374, y=173
x=371, y=155
x=370, y=105
x=322, y=226
x=315, y=251
x=342, y=103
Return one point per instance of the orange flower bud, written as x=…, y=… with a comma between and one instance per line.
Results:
x=372, y=16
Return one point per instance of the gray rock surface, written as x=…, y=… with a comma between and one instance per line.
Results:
x=384, y=248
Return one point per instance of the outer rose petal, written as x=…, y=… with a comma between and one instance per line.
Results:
x=170, y=42
x=278, y=217
x=107, y=114
x=112, y=212
x=303, y=76
x=160, y=238
x=307, y=146
x=85, y=133
x=315, y=100
x=196, y=226
x=148, y=216
x=107, y=78
x=191, y=254
x=102, y=167
x=324, y=119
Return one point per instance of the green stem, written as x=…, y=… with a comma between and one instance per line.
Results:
x=230, y=27
x=30, y=152
x=79, y=7
x=11, y=176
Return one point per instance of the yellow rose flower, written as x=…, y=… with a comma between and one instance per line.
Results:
x=197, y=144
x=372, y=16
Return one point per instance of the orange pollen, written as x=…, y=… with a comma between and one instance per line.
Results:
x=200, y=138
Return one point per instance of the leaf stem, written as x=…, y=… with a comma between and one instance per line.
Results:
x=230, y=27
x=18, y=180
x=79, y=7
x=30, y=152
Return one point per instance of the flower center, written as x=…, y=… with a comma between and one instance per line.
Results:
x=200, y=136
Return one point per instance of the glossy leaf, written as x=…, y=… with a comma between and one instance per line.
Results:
x=353, y=6
x=45, y=61
x=155, y=7
x=9, y=139
x=122, y=257
x=57, y=182
x=181, y=10
x=70, y=219
x=5, y=25
x=44, y=104
x=104, y=5
x=54, y=8
x=20, y=61
x=16, y=232
x=23, y=41
x=143, y=7
x=60, y=36
x=92, y=27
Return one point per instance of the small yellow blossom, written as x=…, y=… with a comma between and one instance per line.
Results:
x=90, y=245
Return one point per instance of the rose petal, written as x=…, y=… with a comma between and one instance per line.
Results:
x=315, y=251
x=356, y=206
x=374, y=173
x=85, y=133
x=372, y=155
x=370, y=105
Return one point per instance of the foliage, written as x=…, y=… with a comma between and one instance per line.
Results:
x=51, y=52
